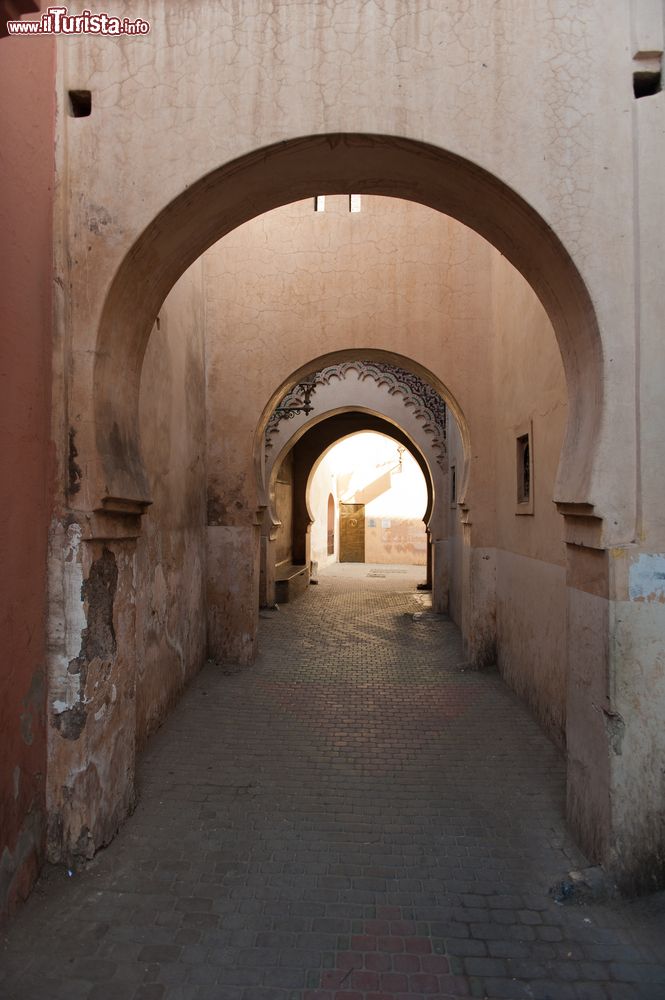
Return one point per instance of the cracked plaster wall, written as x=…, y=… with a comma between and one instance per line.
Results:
x=171, y=553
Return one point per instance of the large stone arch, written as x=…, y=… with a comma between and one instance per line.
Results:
x=114, y=477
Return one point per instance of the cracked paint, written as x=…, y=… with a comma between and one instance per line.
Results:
x=647, y=578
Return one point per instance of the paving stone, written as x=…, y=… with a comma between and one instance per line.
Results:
x=351, y=818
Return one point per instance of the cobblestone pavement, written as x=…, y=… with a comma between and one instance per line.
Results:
x=353, y=818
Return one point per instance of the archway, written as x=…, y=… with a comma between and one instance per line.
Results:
x=352, y=391
x=308, y=449
x=114, y=484
x=382, y=498
x=299, y=168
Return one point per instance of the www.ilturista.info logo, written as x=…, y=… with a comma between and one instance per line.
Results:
x=58, y=21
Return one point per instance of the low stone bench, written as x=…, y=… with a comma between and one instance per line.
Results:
x=290, y=581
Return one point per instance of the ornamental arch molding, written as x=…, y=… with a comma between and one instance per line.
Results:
x=416, y=394
x=393, y=392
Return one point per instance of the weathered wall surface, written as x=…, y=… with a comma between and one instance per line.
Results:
x=323, y=484
x=398, y=540
x=528, y=554
x=171, y=551
x=284, y=511
x=530, y=392
x=27, y=126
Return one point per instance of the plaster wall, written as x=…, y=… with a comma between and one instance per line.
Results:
x=284, y=510
x=27, y=126
x=398, y=540
x=454, y=546
x=531, y=635
x=530, y=560
x=171, y=551
x=527, y=557
x=324, y=482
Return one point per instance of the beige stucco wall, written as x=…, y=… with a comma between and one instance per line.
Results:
x=527, y=557
x=322, y=485
x=171, y=551
x=398, y=540
x=284, y=510
x=530, y=575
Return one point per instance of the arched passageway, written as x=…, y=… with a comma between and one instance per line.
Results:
x=290, y=517
x=344, y=394
x=302, y=168
x=111, y=484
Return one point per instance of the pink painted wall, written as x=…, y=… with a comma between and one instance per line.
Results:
x=27, y=126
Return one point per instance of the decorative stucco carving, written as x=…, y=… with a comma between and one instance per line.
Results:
x=424, y=401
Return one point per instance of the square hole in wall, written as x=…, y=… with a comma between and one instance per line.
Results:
x=320, y=203
x=647, y=73
x=80, y=103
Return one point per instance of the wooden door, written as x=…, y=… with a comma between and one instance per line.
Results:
x=352, y=532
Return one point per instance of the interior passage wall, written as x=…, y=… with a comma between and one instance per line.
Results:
x=284, y=510
x=454, y=551
x=528, y=554
x=396, y=540
x=171, y=555
x=27, y=126
x=530, y=570
x=323, y=485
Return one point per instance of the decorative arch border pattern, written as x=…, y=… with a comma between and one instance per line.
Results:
x=426, y=403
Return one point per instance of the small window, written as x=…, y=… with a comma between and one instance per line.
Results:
x=320, y=203
x=524, y=468
x=453, y=484
x=354, y=203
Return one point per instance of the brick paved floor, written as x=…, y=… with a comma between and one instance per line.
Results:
x=353, y=818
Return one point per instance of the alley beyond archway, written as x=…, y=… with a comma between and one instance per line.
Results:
x=355, y=816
